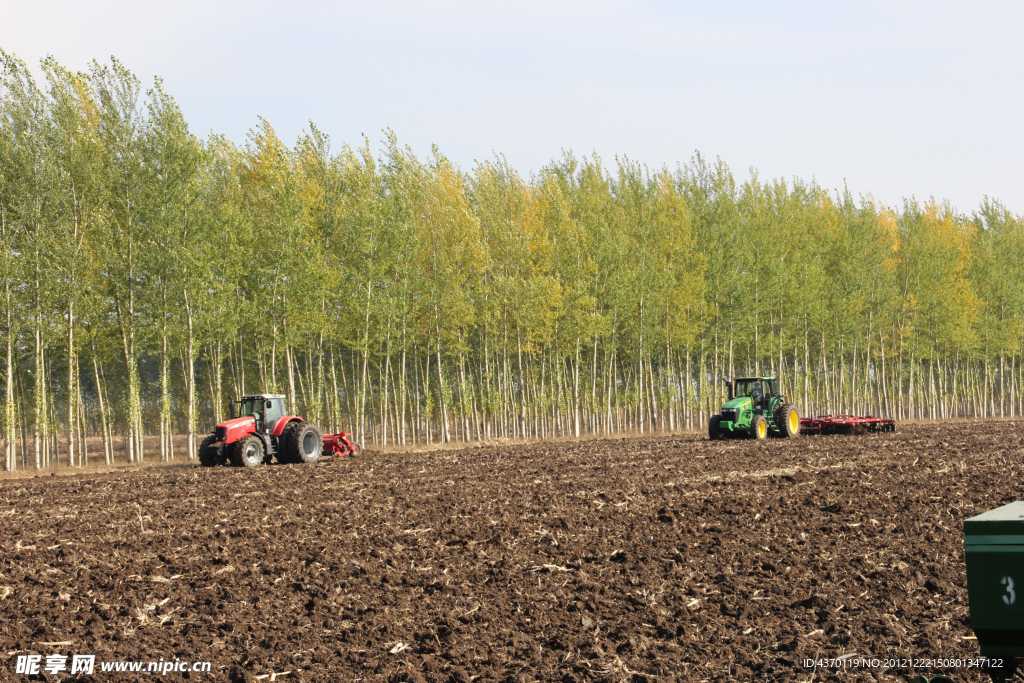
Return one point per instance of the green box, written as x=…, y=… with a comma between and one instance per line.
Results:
x=994, y=553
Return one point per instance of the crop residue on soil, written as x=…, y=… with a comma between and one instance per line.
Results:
x=672, y=557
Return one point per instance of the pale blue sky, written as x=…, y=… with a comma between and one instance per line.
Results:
x=893, y=98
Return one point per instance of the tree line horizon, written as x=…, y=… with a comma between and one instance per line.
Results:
x=150, y=274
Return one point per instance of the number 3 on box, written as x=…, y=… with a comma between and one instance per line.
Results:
x=1010, y=596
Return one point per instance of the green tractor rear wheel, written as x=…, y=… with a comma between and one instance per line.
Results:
x=787, y=420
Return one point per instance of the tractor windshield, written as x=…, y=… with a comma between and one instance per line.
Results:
x=250, y=406
x=745, y=387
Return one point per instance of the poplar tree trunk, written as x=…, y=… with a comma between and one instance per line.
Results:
x=107, y=440
x=190, y=382
x=10, y=457
x=71, y=386
x=39, y=432
x=445, y=435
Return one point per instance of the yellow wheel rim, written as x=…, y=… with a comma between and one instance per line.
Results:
x=794, y=422
x=762, y=429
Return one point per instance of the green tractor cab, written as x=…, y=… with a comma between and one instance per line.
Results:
x=755, y=409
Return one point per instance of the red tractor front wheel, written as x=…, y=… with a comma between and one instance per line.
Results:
x=211, y=453
x=247, y=452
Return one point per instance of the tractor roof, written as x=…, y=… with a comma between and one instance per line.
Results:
x=262, y=396
x=751, y=379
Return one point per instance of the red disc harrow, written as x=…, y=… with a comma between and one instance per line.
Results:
x=845, y=424
x=340, y=444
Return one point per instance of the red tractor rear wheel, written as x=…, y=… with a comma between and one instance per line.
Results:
x=301, y=442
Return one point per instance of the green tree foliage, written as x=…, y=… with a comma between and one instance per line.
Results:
x=148, y=275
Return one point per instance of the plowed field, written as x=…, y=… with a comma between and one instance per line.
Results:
x=668, y=557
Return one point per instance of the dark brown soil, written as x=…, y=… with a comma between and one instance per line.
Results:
x=672, y=557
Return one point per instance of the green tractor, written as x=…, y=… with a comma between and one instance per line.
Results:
x=755, y=408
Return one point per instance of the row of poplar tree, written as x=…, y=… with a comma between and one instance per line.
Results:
x=149, y=275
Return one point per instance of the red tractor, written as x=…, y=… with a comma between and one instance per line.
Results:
x=263, y=431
